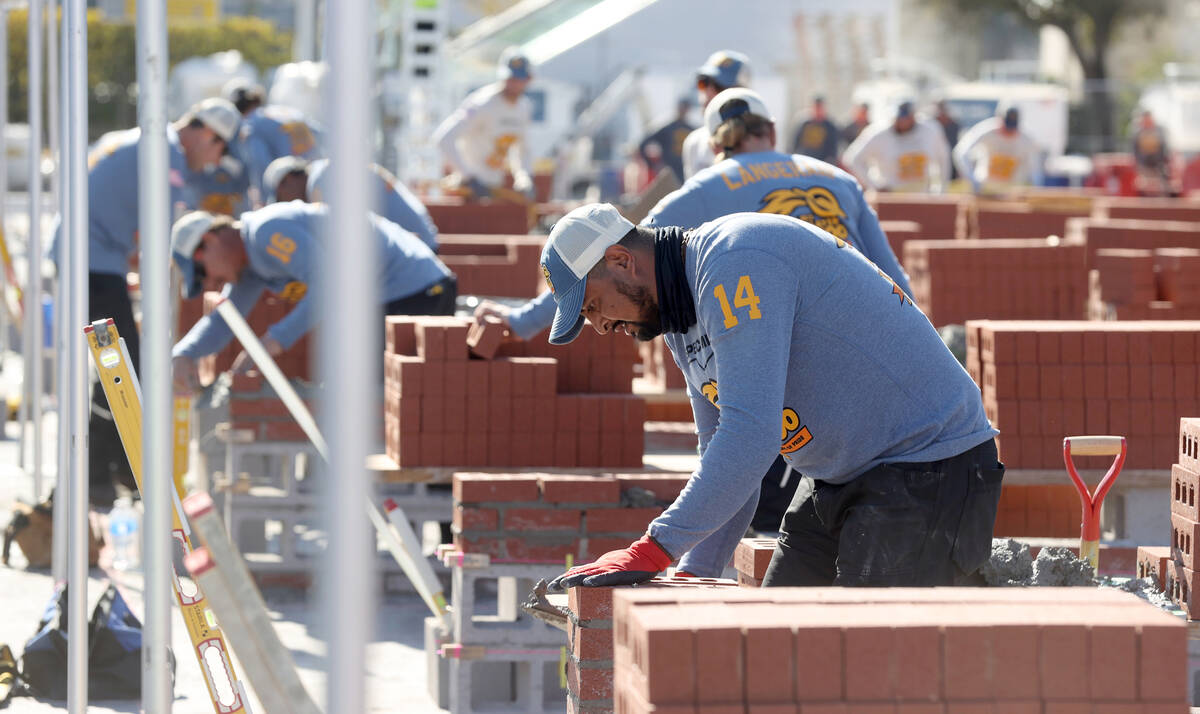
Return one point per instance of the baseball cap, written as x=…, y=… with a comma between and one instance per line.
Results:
x=186, y=235
x=576, y=244
x=727, y=68
x=904, y=109
x=513, y=65
x=219, y=115
x=732, y=103
x=241, y=89
x=276, y=171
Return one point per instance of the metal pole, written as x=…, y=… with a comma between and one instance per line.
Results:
x=349, y=308
x=304, y=38
x=62, y=321
x=4, y=190
x=52, y=92
x=154, y=225
x=33, y=285
x=75, y=40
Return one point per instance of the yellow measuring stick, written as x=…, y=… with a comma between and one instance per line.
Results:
x=14, y=299
x=125, y=400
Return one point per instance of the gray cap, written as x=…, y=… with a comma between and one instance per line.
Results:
x=186, y=235
x=219, y=115
x=276, y=171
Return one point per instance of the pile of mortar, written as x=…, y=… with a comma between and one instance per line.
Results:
x=1012, y=565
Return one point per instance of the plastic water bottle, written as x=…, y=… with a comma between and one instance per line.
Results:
x=124, y=526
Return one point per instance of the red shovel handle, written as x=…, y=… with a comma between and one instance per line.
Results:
x=1093, y=446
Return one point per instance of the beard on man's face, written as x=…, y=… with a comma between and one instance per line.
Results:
x=649, y=325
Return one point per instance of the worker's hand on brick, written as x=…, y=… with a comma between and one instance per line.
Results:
x=488, y=308
x=636, y=564
x=183, y=373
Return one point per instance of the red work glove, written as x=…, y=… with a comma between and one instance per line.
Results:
x=635, y=564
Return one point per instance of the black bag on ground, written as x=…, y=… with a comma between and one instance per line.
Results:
x=114, y=650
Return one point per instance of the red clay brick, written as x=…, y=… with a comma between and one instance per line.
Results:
x=769, y=664
x=719, y=664
x=916, y=655
x=1152, y=563
x=619, y=520
x=967, y=662
x=579, y=489
x=589, y=643
x=483, y=340
x=664, y=650
x=590, y=603
x=589, y=683
x=820, y=677
x=474, y=519
x=1110, y=653
x=550, y=550
x=868, y=653
x=1163, y=669
x=487, y=488
x=665, y=487
x=1184, y=486
x=1015, y=650
x=283, y=431
x=541, y=519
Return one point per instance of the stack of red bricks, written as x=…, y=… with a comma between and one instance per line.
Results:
x=453, y=215
x=751, y=559
x=1017, y=219
x=591, y=364
x=255, y=407
x=1153, y=209
x=940, y=217
x=1181, y=578
x=1101, y=234
x=494, y=265
x=1013, y=279
x=1134, y=284
x=824, y=650
x=590, y=638
x=1042, y=381
x=446, y=408
x=544, y=518
x=294, y=362
x=900, y=232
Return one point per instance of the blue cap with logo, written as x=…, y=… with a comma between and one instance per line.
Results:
x=727, y=68
x=513, y=65
x=577, y=243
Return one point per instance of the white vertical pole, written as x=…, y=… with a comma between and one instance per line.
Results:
x=154, y=205
x=349, y=305
x=75, y=40
x=62, y=313
x=4, y=189
x=52, y=94
x=33, y=285
x=306, y=29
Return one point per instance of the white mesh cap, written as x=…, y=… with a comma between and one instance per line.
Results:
x=276, y=171
x=731, y=103
x=219, y=115
x=576, y=244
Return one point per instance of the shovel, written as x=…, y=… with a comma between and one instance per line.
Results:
x=1089, y=539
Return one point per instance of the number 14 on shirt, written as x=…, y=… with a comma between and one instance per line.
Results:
x=742, y=297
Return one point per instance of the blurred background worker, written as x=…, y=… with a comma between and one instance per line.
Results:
x=291, y=178
x=908, y=153
x=861, y=120
x=817, y=136
x=995, y=154
x=724, y=69
x=268, y=132
x=669, y=139
x=486, y=135
x=279, y=248
x=950, y=128
x=1150, y=155
x=195, y=145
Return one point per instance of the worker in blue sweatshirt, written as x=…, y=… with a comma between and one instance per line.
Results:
x=279, y=248
x=291, y=178
x=195, y=145
x=749, y=176
x=269, y=132
x=791, y=343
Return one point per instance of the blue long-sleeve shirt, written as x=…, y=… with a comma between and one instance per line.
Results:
x=223, y=189
x=285, y=249
x=804, y=348
x=392, y=200
x=271, y=132
x=766, y=182
x=790, y=185
x=113, y=198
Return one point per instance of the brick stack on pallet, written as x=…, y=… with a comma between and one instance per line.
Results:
x=940, y=217
x=453, y=216
x=751, y=559
x=954, y=281
x=494, y=265
x=1181, y=579
x=448, y=407
x=1154, y=209
x=825, y=650
x=591, y=364
x=1042, y=381
x=294, y=362
x=1134, y=284
x=1018, y=219
x=546, y=518
x=590, y=676
x=255, y=407
x=1131, y=234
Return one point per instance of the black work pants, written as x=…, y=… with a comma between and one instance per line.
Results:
x=108, y=298
x=437, y=299
x=913, y=524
